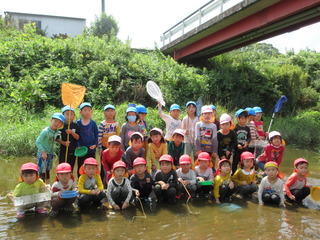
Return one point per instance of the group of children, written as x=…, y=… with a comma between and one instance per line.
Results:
x=181, y=162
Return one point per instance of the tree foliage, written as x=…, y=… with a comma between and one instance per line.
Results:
x=104, y=25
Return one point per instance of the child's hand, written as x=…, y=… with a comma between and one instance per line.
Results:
x=201, y=179
x=94, y=192
x=116, y=207
x=137, y=193
x=186, y=182
x=165, y=186
x=254, y=182
x=44, y=155
x=227, y=153
x=180, y=180
x=244, y=183
x=59, y=194
x=10, y=196
x=261, y=204
x=125, y=205
x=161, y=183
x=239, y=146
x=283, y=205
x=93, y=147
x=292, y=197
x=100, y=152
x=69, y=131
x=148, y=180
x=231, y=185
x=66, y=143
x=154, y=167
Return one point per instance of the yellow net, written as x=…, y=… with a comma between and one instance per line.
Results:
x=72, y=94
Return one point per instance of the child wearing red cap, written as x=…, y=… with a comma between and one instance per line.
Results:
x=30, y=183
x=186, y=176
x=90, y=185
x=296, y=185
x=271, y=186
x=64, y=182
x=141, y=181
x=245, y=177
x=223, y=186
x=176, y=147
x=166, y=180
x=111, y=155
x=119, y=191
x=135, y=150
x=204, y=173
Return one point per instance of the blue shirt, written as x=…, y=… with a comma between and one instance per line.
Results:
x=88, y=134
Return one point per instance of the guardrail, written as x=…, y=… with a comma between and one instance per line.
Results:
x=195, y=19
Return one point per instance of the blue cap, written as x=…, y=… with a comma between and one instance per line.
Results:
x=85, y=104
x=106, y=107
x=250, y=111
x=58, y=116
x=240, y=111
x=141, y=109
x=131, y=105
x=191, y=102
x=131, y=109
x=66, y=108
x=213, y=107
x=174, y=107
x=257, y=109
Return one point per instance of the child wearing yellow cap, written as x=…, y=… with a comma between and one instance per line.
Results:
x=271, y=186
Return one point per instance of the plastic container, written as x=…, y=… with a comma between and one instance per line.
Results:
x=205, y=183
x=80, y=152
x=315, y=193
x=69, y=194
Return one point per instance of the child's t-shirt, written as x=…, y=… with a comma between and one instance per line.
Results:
x=226, y=142
x=58, y=186
x=154, y=152
x=253, y=131
x=23, y=189
x=126, y=132
x=131, y=156
x=171, y=178
x=108, y=161
x=190, y=125
x=272, y=153
x=206, y=137
x=144, y=128
x=141, y=184
x=176, y=151
x=207, y=175
x=276, y=187
x=88, y=135
x=259, y=127
x=190, y=176
x=171, y=123
x=112, y=185
x=220, y=181
x=86, y=184
x=243, y=134
x=293, y=182
x=46, y=139
x=241, y=175
x=107, y=129
x=73, y=142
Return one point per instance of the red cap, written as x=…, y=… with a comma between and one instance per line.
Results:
x=166, y=157
x=139, y=161
x=64, y=168
x=299, y=160
x=185, y=159
x=204, y=156
x=223, y=160
x=118, y=164
x=90, y=161
x=246, y=155
x=29, y=166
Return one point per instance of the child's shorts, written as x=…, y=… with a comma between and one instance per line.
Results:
x=41, y=167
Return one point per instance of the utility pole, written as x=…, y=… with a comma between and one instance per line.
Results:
x=103, y=6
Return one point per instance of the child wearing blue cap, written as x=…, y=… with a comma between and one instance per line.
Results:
x=243, y=137
x=142, y=112
x=129, y=127
x=189, y=124
x=71, y=142
x=45, y=145
x=253, y=130
x=172, y=122
x=88, y=133
x=107, y=128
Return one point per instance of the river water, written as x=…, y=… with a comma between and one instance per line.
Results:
x=202, y=220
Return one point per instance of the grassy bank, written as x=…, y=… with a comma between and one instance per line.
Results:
x=20, y=129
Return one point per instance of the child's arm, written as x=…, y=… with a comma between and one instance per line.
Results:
x=216, y=188
x=123, y=135
x=197, y=136
x=118, y=129
x=99, y=182
x=260, y=191
x=290, y=181
x=164, y=117
x=100, y=132
x=109, y=191
x=81, y=183
x=151, y=156
x=39, y=145
x=95, y=135
x=74, y=134
x=65, y=143
x=128, y=186
x=236, y=178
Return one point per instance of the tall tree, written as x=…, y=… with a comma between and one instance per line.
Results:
x=104, y=25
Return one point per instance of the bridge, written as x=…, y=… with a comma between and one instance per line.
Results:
x=223, y=25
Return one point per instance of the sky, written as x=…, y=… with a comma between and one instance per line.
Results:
x=144, y=21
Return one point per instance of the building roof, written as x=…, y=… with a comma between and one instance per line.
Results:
x=42, y=15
